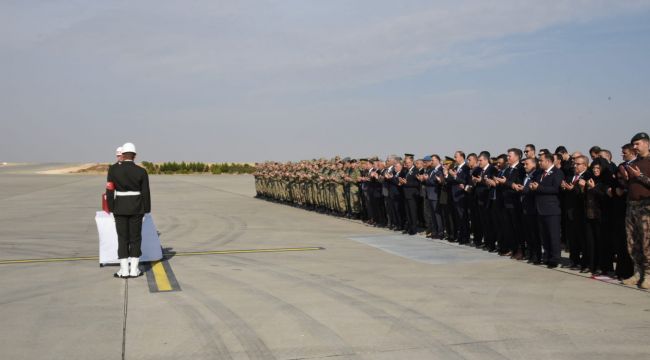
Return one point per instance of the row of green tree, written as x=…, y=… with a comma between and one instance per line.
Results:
x=197, y=168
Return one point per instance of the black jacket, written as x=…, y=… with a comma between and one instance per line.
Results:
x=547, y=200
x=128, y=177
x=514, y=175
x=412, y=187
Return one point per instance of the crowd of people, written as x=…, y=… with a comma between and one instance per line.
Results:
x=527, y=205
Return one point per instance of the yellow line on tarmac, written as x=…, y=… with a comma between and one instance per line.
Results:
x=190, y=253
x=161, y=277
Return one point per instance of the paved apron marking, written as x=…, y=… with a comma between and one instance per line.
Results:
x=191, y=253
x=160, y=277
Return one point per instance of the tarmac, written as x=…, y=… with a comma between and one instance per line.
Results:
x=304, y=286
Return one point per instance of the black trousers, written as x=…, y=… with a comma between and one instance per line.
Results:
x=398, y=211
x=462, y=215
x=129, y=235
x=549, y=231
x=412, y=215
x=489, y=228
x=590, y=249
x=624, y=265
x=575, y=235
x=531, y=229
x=369, y=211
x=426, y=212
x=515, y=235
x=378, y=210
x=476, y=224
x=390, y=210
x=447, y=212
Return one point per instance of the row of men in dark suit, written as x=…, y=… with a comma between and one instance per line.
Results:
x=517, y=204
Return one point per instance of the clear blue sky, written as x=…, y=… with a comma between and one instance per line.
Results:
x=289, y=80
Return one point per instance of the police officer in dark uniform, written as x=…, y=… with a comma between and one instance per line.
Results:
x=129, y=199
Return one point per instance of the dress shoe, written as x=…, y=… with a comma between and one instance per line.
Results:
x=551, y=265
x=585, y=270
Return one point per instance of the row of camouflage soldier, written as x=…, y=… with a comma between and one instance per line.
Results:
x=325, y=185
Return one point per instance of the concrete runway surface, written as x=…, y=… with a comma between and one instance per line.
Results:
x=370, y=294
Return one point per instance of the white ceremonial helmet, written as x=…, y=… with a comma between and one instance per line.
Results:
x=118, y=152
x=128, y=147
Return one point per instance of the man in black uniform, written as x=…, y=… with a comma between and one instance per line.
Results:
x=127, y=191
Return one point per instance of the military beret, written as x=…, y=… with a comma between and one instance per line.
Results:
x=346, y=159
x=409, y=155
x=353, y=160
x=427, y=158
x=640, y=136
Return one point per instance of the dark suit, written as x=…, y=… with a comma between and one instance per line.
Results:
x=513, y=212
x=376, y=198
x=432, y=189
x=365, y=197
x=397, y=199
x=497, y=213
x=530, y=223
x=459, y=198
x=547, y=204
x=411, y=193
x=575, y=220
x=482, y=195
x=474, y=211
x=129, y=201
x=388, y=201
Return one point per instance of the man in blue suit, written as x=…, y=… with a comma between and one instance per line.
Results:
x=547, y=203
x=459, y=178
x=433, y=184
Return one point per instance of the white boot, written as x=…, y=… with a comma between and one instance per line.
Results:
x=124, y=269
x=135, y=271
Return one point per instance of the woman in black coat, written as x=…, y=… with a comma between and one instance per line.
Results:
x=597, y=258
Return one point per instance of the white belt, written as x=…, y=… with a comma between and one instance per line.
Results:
x=127, y=193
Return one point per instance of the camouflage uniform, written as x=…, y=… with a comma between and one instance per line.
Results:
x=637, y=226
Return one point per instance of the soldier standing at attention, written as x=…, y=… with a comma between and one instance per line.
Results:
x=118, y=154
x=637, y=220
x=128, y=199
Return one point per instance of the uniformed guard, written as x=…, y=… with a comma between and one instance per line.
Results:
x=118, y=154
x=637, y=221
x=127, y=191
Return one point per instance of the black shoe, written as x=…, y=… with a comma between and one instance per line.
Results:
x=551, y=265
